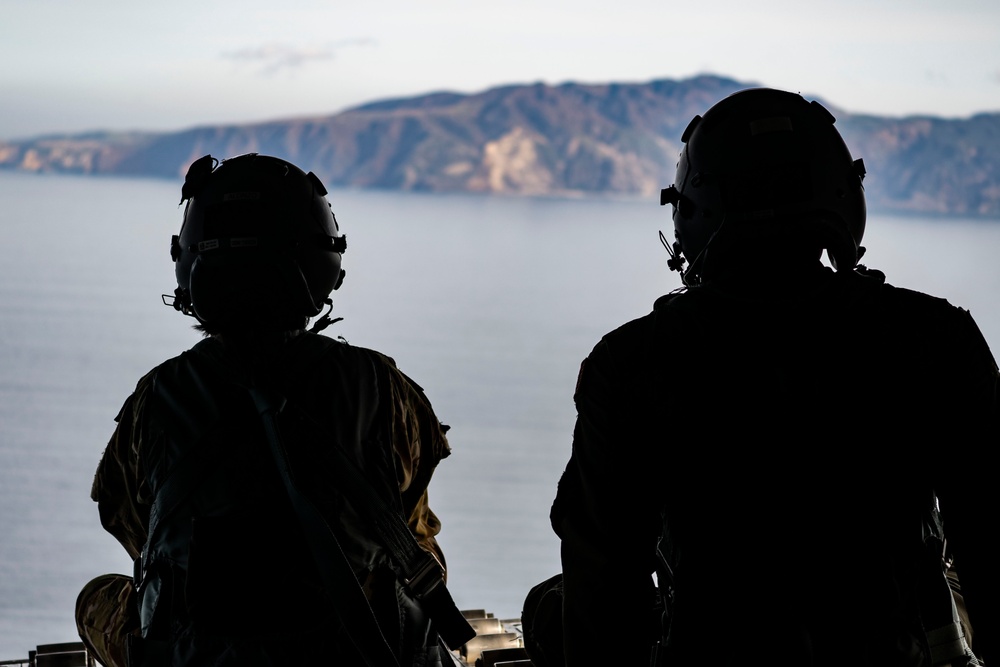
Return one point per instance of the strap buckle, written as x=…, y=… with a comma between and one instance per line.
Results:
x=427, y=578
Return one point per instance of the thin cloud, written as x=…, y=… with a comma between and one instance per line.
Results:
x=936, y=76
x=275, y=57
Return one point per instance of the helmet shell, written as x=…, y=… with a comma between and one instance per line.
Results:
x=764, y=162
x=259, y=244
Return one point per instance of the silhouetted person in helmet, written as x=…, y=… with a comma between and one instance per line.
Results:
x=270, y=483
x=774, y=438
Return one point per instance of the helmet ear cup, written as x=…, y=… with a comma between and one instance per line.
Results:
x=242, y=289
x=321, y=274
x=294, y=283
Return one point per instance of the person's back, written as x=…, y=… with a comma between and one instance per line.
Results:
x=271, y=483
x=785, y=429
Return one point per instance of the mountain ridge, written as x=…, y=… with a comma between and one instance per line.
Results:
x=541, y=140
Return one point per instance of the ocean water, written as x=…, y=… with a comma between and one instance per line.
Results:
x=488, y=303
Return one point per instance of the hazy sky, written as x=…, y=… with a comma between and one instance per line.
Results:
x=71, y=65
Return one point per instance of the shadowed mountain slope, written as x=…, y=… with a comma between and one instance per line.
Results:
x=542, y=140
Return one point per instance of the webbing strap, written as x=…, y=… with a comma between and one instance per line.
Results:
x=335, y=570
x=422, y=574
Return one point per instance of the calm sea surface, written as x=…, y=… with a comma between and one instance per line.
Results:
x=489, y=303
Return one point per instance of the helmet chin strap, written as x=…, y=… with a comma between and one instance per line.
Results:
x=180, y=301
x=676, y=261
x=325, y=321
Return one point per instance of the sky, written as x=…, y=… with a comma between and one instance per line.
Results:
x=71, y=66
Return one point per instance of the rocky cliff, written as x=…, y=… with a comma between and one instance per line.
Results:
x=543, y=140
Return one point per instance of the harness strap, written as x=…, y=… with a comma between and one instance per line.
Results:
x=422, y=574
x=335, y=570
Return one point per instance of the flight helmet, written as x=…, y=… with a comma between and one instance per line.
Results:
x=760, y=167
x=259, y=245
